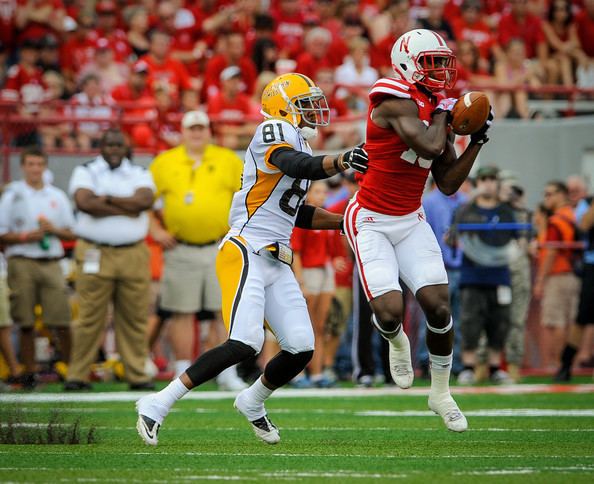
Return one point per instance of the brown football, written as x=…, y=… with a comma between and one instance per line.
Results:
x=470, y=112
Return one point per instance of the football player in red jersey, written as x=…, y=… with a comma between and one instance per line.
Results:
x=407, y=138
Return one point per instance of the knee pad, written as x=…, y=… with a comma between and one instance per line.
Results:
x=285, y=366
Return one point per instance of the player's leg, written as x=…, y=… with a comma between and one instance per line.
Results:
x=585, y=316
x=287, y=316
x=378, y=272
x=426, y=276
x=242, y=287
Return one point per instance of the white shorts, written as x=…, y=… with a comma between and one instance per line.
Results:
x=389, y=247
x=317, y=280
x=256, y=288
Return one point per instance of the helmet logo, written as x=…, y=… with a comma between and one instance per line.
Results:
x=404, y=44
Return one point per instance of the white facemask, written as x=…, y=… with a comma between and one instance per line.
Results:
x=308, y=132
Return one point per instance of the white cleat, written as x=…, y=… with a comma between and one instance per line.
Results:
x=149, y=419
x=445, y=406
x=264, y=429
x=400, y=362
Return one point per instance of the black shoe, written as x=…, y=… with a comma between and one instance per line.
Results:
x=27, y=381
x=563, y=375
x=77, y=386
x=142, y=386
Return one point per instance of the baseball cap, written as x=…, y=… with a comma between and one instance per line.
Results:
x=230, y=72
x=195, y=118
x=487, y=171
x=140, y=67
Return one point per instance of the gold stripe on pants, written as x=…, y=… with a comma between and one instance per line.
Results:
x=124, y=281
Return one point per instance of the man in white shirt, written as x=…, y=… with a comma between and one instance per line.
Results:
x=34, y=217
x=112, y=196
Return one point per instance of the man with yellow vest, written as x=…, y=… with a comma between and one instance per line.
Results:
x=195, y=182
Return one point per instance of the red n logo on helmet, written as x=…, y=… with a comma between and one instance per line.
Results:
x=404, y=44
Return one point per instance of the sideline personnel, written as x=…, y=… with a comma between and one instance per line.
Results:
x=34, y=216
x=112, y=259
x=196, y=182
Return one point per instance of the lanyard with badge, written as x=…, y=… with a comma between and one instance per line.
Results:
x=189, y=196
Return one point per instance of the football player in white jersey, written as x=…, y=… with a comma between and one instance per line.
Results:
x=254, y=260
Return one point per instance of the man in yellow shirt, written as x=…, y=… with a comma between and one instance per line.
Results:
x=195, y=182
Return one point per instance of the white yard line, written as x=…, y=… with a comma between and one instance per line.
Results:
x=302, y=393
x=500, y=412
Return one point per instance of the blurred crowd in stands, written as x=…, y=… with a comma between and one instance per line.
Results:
x=147, y=61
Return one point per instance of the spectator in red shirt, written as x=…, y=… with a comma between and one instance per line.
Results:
x=37, y=18
x=8, y=30
x=338, y=134
x=317, y=53
x=520, y=24
x=111, y=73
x=232, y=54
x=471, y=26
x=78, y=50
x=184, y=44
x=138, y=102
x=289, y=20
x=24, y=82
x=471, y=72
x=563, y=43
x=164, y=71
x=107, y=22
x=314, y=253
x=399, y=23
x=584, y=21
x=230, y=108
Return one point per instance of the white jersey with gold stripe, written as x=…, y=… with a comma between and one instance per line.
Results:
x=265, y=209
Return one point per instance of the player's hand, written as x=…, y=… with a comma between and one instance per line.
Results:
x=356, y=159
x=480, y=137
x=445, y=106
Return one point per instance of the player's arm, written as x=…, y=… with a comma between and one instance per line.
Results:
x=586, y=221
x=449, y=171
x=297, y=164
x=316, y=218
x=402, y=115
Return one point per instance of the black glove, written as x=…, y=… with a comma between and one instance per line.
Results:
x=356, y=159
x=480, y=137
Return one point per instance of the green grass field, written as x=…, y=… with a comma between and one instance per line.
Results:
x=537, y=437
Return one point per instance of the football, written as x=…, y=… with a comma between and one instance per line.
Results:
x=470, y=112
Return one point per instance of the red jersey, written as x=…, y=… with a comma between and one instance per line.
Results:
x=529, y=30
x=171, y=74
x=25, y=85
x=342, y=278
x=233, y=111
x=478, y=33
x=7, y=22
x=585, y=29
x=316, y=247
x=396, y=177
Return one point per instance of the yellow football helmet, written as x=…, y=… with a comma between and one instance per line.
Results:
x=296, y=98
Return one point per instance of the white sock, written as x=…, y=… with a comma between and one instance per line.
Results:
x=258, y=392
x=440, y=372
x=172, y=393
x=181, y=366
x=400, y=341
